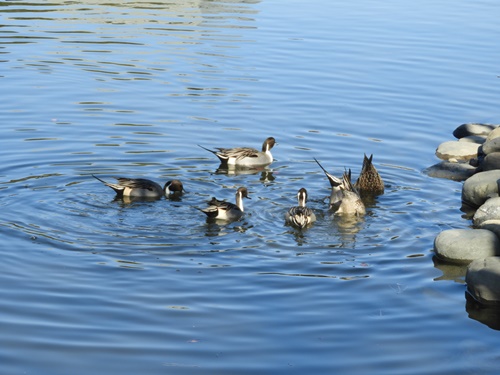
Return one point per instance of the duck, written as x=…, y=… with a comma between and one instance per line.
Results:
x=245, y=156
x=336, y=184
x=223, y=210
x=174, y=189
x=300, y=216
x=351, y=202
x=369, y=181
x=344, y=198
x=143, y=188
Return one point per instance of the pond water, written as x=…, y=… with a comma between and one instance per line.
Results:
x=90, y=284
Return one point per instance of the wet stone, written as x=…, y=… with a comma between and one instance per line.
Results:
x=492, y=225
x=480, y=187
x=493, y=145
x=479, y=139
x=495, y=133
x=465, y=245
x=483, y=280
x=465, y=130
x=451, y=171
x=489, y=210
x=491, y=162
x=457, y=151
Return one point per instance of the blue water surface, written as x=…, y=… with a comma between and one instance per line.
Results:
x=90, y=284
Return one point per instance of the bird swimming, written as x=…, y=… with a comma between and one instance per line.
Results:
x=245, y=156
x=223, y=210
x=143, y=188
x=300, y=216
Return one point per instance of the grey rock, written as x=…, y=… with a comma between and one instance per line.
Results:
x=457, y=151
x=479, y=139
x=495, y=133
x=478, y=188
x=451, y=171
x=483, y=280
x=491, y=225
x=489, y=210
x=491, y=162
x=492, y=145
x=465, y=130
x=465, y=245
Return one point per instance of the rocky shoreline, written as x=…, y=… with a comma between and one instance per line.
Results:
x=474, y=157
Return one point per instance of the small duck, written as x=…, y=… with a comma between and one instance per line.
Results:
x=225, y=210
x=245, y=156
x=143, y=188
x=351, y=203
x=300, y=216
x=369, y=180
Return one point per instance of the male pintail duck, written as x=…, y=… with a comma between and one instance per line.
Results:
x=344, y=198
x=142, y=188
x=369, y=180
x=351, y=203
x=300, y=216
x=336, y=183
x=225, y=210
x=245, y=156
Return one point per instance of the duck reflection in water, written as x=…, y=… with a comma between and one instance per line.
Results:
x=266, y=174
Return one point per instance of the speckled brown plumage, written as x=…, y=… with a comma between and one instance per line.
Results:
x=369, y=181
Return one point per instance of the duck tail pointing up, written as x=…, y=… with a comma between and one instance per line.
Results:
x=97, y=178
x=212, y=151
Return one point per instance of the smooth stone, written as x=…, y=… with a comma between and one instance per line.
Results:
x=465, y=245
x=490, y=146
x=495, y=133
x=489, y=210
x=483, y=280
x=491, y=225
x=479, y=187
x=451, y=171
x=457, y=151
x=473, y=129
x=491, y=162
x=479, y=139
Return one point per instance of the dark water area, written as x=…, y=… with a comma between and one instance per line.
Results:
x=90, y=284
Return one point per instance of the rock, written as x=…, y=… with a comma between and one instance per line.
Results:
x=491, y=225
x=455, y=151
x=491, y=162
x=465, y=130
x=489, y=210
x=479, y=139
x=495, y=133
x=451, y=171
x=483, y=280
x=478, y=188
x=492, y=145
x=465, y=245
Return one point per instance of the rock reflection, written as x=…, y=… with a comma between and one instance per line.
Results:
x=488, y=315
x=454, y=272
